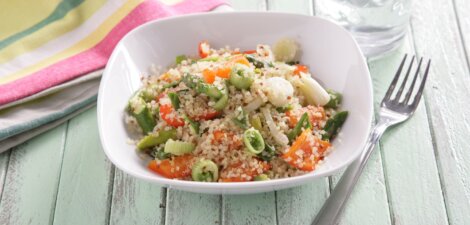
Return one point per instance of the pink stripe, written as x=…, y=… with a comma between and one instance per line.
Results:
x=96, y=57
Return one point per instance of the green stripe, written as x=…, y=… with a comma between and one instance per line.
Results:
x=59, y=12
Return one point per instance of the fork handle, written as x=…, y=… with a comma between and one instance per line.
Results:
x=334, y=205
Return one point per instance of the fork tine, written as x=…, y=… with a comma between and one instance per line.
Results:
x=395, y=79
x=421, y=86
x=410, y=91
x=403, y=83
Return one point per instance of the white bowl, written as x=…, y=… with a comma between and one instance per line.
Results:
x=330, y=52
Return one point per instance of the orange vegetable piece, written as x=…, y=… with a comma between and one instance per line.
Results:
x=249, y=52
x=208, y=75
x=204, y=49
x=165, y=111
x=300, y=68
x=239, y=59
x=207, y=116
x=302, y=143
x=177, y=167
x=220, y=135
x=223, y=72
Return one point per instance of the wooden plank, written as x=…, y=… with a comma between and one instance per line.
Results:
x=409, y=162
x=299, y=6
x=249, y=209
x=136, y=201
x=190, y=208
x=447, y=102
x=4, y=159
x=248, y=5
x=299, y=205
x=32, y=179
x=84, y=189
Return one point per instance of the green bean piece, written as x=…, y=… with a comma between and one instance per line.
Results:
x=254, y=61
x=175, y=100
x=193, y=125
x=239, y=78
x=160, y=154
x=155, y=139
x=201, y=87
x=253, y=140
x=141, y=112
x=255, y=122
x=261, y=177
x=304, y=122
x=240, y=118
x=170, y=85
x=180, y=58
x=335, y=99
x=268, y=154
x=333, y=125
x=205, y=170
x=149, y=93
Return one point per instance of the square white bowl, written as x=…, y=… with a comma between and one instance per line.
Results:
x=330, y=52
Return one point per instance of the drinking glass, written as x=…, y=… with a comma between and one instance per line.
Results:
x=377, y=25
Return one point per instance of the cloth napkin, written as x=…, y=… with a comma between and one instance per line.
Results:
x=52, y=54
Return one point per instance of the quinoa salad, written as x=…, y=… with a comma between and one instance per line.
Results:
x=231, y=115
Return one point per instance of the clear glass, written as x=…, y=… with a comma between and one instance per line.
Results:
x=377, y=25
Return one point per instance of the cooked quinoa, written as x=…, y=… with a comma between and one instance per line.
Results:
x=233, y=116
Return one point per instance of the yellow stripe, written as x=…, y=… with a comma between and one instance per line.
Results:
x=84, y=44
x=72, y=20
x=18, y=15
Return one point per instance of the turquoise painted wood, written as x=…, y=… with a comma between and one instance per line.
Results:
x=418, y=175
x=445, y=102
x=30, y=186
x=86, y=176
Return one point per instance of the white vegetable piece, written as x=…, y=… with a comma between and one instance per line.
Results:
x=278, y=90
x=286, y=50
x=278, y=136
x=254, y=105
x=313, y=91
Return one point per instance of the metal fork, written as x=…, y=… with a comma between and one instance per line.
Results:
x=392, y=111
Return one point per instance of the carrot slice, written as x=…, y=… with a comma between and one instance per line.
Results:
x=177, y=167
x=209, y=76
x=223, y=72
x=300, y=68
x=204, y=49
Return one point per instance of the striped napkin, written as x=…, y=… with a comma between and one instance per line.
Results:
x=52, y=53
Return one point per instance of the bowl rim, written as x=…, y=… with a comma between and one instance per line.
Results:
x=239, y=186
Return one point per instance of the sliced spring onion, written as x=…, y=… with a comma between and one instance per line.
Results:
x=175, y=101
x=239, y=77
x=279, y=137
x=213, y=92
x=303, y=122
x=253, y=140
x=155, y=139
x=160, y=154
x=261, y=177
x=223, y=101
x=254, y=105
x=313, y=91
x=142, y=113
x=205, y=170
x=178, y=147
x=333, y=125
x=193, y=125
x=180, y=58
x=335, y=99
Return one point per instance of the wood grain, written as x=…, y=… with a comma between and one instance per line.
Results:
x=249, y=209
x=415, y=195
x=436, y=35
x=136, y=202
x=32, y=179
x=83, y=195
x=190, y=208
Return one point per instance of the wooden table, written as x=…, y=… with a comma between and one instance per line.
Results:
x=419, y=175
